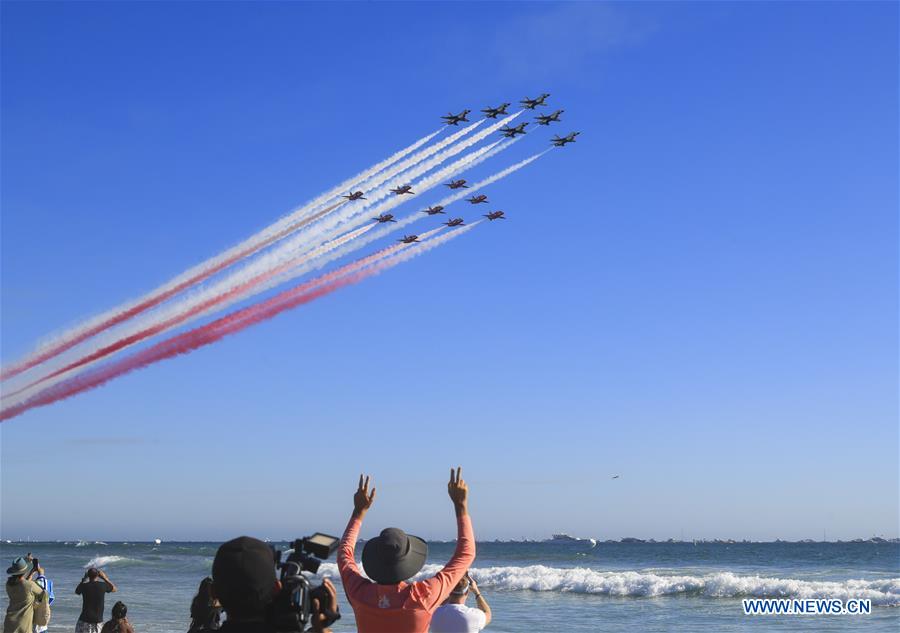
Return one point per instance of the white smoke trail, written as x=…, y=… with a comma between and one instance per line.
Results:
x=372, y=177
x=325, y=229
x=235, y=251
x=359, y=179
x=296, y=247
x=402, y=175
x=481, y=184
x=289, y=252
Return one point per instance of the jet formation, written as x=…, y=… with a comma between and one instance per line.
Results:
x=513, y=131
x=509, y=131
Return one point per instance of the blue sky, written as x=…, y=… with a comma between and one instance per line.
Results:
x=699, y=295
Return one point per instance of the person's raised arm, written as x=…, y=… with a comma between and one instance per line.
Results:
x=83, y=580
x=435, y=590
x=110, y=587
x=480, y=602
x=362, y=501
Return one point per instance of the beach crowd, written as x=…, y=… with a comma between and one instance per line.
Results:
x=244, y=589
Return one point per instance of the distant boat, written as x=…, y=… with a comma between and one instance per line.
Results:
x=564, y=537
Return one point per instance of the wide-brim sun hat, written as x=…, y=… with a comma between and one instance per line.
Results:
x=19, y=567
x=393, y=556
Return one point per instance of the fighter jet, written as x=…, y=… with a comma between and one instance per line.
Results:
x=561, y=141
x=531, y=104
x=355, y=195
x=455, y=119
x=510, y=132
x=615, y=477
x=547, y=119
x=477, y=199
x=409, y=239
x=454, y=222
x=434, y=210
x=456, y=184
x=495, y=215
x=385, y=217
x=401, y=190
x=493, y=113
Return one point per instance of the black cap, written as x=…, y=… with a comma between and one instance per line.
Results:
x=393, y=556
x=244, y=575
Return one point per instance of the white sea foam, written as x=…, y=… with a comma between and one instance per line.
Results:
x=885, y=592
x=103, y=561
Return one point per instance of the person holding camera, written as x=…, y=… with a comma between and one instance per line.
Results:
x=41, y=619
x=93, y=589
x=245, y=584
x=455, y=617
x=387, y=602
x=24, y=595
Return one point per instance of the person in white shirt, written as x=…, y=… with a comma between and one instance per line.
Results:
x=455, y=617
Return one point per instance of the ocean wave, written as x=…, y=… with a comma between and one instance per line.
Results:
x=885, y=592
x=103, y=561
x=715, y=585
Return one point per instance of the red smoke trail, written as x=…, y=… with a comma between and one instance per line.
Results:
x=187, y=314
x=204, y=335
x=154, y=300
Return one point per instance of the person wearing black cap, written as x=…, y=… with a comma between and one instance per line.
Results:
x=244, y=582
x=388, y=603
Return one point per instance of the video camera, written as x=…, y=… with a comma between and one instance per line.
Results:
x=291, y=610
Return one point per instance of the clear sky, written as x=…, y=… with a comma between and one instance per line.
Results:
x=700, y=295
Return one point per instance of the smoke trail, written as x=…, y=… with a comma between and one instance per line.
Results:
x=232, y=323
x=325, y=228
x=260, y=240
x=402, y=175
x=234, y=294
x=200, y=272
x=418, y=215
x=254, y=279
x=110, y=319
x=295, y=246
x=481, y=184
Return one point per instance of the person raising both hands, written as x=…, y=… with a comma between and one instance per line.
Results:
x=388, y=603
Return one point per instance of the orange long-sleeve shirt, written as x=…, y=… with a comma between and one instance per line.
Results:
x=404, y=607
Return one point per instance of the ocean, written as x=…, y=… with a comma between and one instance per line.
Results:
x=541, y=586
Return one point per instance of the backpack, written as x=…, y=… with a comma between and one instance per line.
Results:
x=42, y=608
